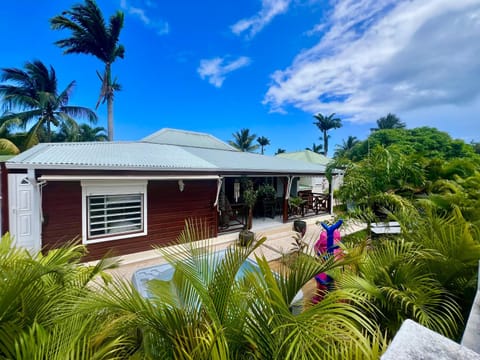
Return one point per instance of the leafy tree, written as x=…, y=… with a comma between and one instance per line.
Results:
x=382, y=182
x=325, y=124
x=347, y=146
x=280, y=151
x=424, y=142
x=32, y=94
x=90, y=35
x=315, y=148
x=263, y=141
x=243, y=141
x=390, y=121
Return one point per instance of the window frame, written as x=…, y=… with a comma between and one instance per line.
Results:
x=106, y=188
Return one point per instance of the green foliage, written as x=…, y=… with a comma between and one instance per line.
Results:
x=91, y=34
x=394, y=278
x=423, y=141
x=38, y=319
x=325, y=124
x=243, y=141
x=390, y=121
x=31, y=96
x=204, y=312
x=384, y=181
x=263, y=141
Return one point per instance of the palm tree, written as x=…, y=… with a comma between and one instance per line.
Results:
x=84, y=132
x=315, y=148
x=90, y=35
x=326, y=123
x=243, y=141
x=390, y=121
x=34, y=93
x=263, y=141
x=347, y=145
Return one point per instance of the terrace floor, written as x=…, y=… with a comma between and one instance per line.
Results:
x=279, y=242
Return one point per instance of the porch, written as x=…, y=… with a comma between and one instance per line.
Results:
x=279, y=201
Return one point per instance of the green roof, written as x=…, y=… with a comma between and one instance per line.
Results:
x=307, y=156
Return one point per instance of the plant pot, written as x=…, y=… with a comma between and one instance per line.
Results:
x=300, y=226
x=245, y=237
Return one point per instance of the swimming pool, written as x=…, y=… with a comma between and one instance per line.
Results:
x=141, y=277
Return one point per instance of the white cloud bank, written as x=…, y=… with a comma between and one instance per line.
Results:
x=216, y=69
x=379, y=56
x=140, y=10
x=252, y=25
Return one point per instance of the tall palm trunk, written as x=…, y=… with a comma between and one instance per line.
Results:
x=325, y=142
x=109, y=95
x=110, y=117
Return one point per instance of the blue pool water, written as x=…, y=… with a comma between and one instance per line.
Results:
x=165, y=272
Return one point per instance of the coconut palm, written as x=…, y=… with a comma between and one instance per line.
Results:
x=325, y=124
x=243, y=141
x=315, y=148
x=263, y=141
x=84, y=132
x=90, y=35
x=390, y=121
x=32, y=95
x=347, y=145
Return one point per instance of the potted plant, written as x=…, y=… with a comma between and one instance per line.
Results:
x=267, y=194
x=296, y=203
x=250, y=198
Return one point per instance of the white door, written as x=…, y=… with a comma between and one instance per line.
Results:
x=23, y=212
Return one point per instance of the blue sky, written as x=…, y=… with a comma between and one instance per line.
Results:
x=269, y=65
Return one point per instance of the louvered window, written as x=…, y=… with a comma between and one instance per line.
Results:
x=113, y=210
x=114, y=214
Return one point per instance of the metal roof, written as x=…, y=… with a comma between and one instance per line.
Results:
x=306, y=155
x=187, y=138
x=149, y=155
x=244, y=162
x=108, y=155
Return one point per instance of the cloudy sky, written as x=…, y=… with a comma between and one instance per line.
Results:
x=269, y=65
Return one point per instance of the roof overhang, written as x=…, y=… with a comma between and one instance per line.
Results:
x=125, y=177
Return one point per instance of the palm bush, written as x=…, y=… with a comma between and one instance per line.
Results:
x=37, y=293
x=394, y=277
x=205, y=312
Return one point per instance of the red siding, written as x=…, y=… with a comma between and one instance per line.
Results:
x=167, y=210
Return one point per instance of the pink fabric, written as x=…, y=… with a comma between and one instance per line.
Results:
x=321, y=245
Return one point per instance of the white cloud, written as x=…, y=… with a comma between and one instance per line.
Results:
x=252, y=25
x=216, y=69
x=139, y=11
x=379, y=56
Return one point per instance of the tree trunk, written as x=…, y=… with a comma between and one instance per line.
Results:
x=110, y=117
x=325, y=143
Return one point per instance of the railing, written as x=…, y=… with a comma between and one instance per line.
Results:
x=313, y=204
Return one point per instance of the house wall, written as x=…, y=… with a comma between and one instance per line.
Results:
x=167, y=210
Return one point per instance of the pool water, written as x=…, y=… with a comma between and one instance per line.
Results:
x=165, y=272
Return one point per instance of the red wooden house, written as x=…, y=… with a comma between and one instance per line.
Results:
x=124, y=197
